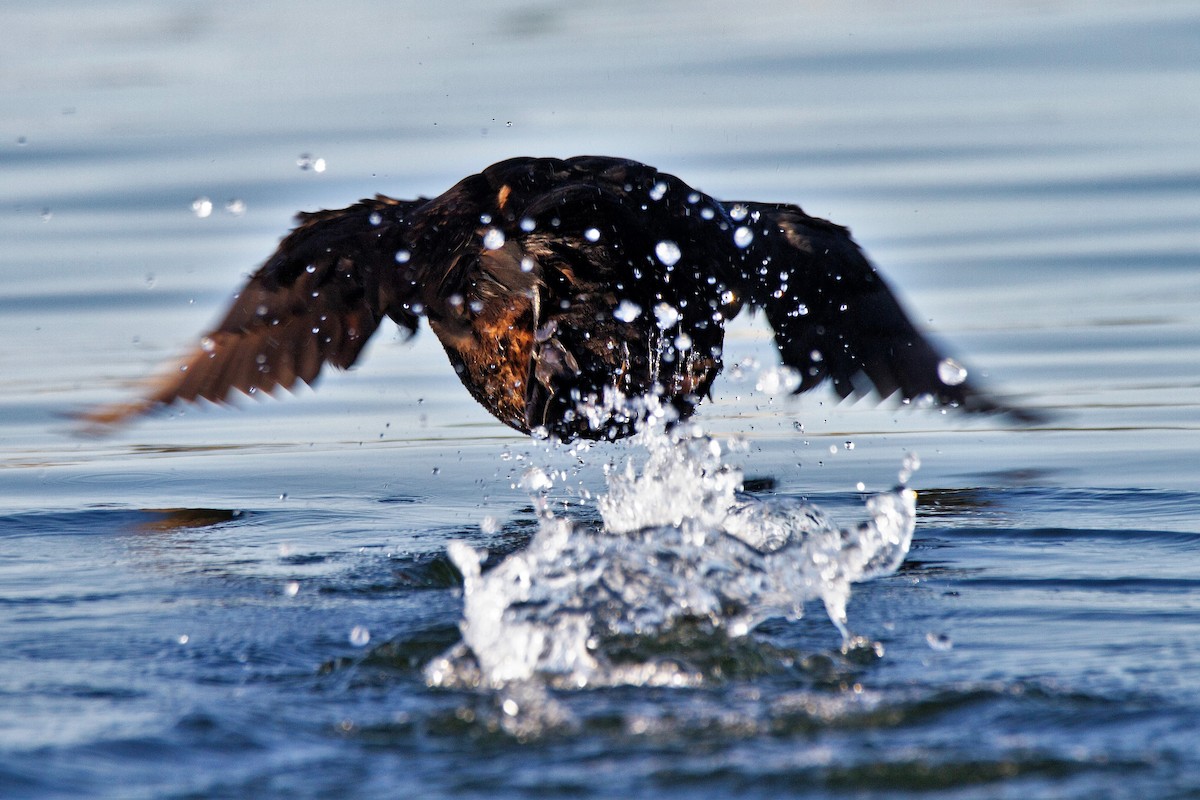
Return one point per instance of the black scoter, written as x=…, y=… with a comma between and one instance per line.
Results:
x=554, y=283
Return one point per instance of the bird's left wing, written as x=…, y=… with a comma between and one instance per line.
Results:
x=315, y=301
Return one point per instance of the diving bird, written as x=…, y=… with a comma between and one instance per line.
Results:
x=555, y=284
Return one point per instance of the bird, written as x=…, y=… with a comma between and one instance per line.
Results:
x=557, y=284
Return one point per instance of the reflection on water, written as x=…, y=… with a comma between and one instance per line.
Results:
x=254, y=596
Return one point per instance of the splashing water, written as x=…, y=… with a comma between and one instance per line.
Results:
x=680, y=548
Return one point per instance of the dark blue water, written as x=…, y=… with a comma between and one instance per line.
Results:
x=222, y=603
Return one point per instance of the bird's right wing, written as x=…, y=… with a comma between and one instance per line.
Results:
x=835, y=318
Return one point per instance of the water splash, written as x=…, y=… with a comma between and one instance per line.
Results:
x=681, y=548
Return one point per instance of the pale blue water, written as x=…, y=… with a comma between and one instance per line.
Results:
x=177, y=600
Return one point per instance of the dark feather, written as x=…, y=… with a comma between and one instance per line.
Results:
x=551, y=283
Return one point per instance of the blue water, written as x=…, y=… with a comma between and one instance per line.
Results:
x=241, y=603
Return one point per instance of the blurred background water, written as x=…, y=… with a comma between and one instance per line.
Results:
x=239, y=603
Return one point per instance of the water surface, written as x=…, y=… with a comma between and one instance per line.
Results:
x=243, y=603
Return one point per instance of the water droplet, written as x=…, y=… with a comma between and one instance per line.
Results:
x=951, y=373
x=738, y=212
x=693, y=198
x=658, y=191
x=402, y=256
x=151, y=280
x=527, y=264
x=207, y=344
x=375, y=218
x=485, y=219
x=778, y=380
x=306, y=162
x=489, y=525
x=939, y=641
x=667, y=252
x=202, y=207
x=493, y=239
x=592, y=235
x=183, y=638
x=707, y=213
x=743, y=236
x=235, y=207
x=528, y=224
x=22, y=141
x=683, y=343
x=535, y=479
x=627, y=311
x=666, y=315
x=291, y=588
x=47, y=215
x=360, y=636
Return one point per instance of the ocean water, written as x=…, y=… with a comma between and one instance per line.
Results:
x=269, y=601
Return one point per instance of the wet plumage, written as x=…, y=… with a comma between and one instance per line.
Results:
x=553, y=282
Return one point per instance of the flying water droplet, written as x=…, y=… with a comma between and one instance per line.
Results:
x=743, y=236
x=535, y=479
x=951, y=373
x=666, y=315
x=235, y=207
x=659, y=191
x=668, y=252
x=202, y=207
x=360, y=636
x=528, y=224
x=402, y=256
x=778, y=380
x=592, y=235
x=493, y=239
x=627, y=311
x=306, y=162
x=738, y=212
x=207, y=344
x=939, y=641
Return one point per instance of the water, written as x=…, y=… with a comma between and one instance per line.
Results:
x=243, y=603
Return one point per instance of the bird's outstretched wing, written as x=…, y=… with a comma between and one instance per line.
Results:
x=315, y=301
x=835, y=318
